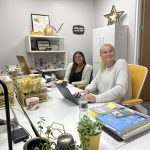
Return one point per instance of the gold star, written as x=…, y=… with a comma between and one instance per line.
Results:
x=114, y=16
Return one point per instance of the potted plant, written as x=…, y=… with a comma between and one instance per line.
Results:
x=89, y=133
x=41, y=143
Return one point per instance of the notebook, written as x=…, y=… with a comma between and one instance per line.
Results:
x=125, y=126
x=67, y=94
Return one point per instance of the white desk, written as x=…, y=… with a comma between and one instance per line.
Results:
x=62, y=111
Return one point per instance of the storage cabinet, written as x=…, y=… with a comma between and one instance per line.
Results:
x=113, y=34
x=47, y=53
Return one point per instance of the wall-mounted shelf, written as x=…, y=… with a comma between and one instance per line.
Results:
x=61, y=51
x=47, y=53
x=49, y=70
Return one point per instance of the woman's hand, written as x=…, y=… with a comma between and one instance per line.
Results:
x=84, y=92
x=90, y=98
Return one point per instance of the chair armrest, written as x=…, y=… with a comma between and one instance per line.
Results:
x=131, y=101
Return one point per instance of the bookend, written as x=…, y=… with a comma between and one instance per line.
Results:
x=19, y=135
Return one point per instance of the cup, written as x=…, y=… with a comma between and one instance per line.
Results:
x=32, y=103
x=83, y=107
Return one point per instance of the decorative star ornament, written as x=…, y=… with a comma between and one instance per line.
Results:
x=114, y=16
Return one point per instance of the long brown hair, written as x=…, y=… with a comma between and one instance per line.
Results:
x=102, y=63
x=74, y=66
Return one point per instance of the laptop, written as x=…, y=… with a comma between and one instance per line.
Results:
x=67, y=94
x=23, y=64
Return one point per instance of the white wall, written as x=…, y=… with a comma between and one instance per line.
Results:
x=128, y=18
x=15, y=24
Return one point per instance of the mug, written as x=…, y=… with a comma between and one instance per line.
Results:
x=32, y=103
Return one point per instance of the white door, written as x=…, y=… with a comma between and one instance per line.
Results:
x=101, y=36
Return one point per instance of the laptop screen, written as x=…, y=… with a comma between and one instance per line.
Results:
x=23, y=64
x=66, y=93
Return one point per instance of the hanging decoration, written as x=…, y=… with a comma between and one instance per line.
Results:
x=78, y=29
x=114, y=16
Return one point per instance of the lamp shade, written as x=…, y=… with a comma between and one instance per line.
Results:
x=65, y=142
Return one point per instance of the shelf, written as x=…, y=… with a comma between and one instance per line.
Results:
x=50, y=37
x=49, y=70
x=62, y=51
x=52, y=50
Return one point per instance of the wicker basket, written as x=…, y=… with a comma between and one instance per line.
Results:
x=30, y=86
x=10, y=87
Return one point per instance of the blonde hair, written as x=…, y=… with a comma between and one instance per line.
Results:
x=102, y=63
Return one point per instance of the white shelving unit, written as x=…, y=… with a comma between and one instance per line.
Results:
x=47, y=53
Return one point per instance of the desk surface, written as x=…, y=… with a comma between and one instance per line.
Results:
x=62, y=111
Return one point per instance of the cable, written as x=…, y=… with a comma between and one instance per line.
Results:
x=22, y=127
x=33, y=127
x=3, y=122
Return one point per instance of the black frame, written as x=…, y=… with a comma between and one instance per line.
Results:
x=43, y=45
x=39, y=22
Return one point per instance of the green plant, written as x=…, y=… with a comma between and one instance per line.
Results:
x=41, y=142
x=87, y=128
x=47, y=144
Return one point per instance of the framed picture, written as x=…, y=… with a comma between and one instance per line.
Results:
x=39, y=22
x=43, y=45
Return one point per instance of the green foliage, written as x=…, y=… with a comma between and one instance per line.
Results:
x=48, y=145
x=86, y=128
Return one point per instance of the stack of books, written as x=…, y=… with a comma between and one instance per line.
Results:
x=122, y=121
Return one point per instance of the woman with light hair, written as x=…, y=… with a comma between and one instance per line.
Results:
x=112, y=81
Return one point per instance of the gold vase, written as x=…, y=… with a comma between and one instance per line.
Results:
x=94, y=142
x=49, y=31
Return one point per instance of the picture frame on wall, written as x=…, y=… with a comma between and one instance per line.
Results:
x=43, y=45
x=39, y=22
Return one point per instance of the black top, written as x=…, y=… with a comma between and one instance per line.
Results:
x=77, y=76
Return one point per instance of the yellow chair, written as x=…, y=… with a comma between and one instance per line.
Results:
x=138, y=75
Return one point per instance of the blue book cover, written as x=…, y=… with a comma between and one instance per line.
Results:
x=124, y=123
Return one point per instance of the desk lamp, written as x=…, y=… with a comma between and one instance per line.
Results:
x=7, y=114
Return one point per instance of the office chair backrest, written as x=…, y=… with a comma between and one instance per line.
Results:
x=138, y=75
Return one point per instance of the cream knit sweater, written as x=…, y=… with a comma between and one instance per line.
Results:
x=113, y=84
x=86, y=74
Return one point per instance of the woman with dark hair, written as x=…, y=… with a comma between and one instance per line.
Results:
x=78, y=72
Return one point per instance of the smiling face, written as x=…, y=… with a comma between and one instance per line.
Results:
x=78, y=59
x=107, y=53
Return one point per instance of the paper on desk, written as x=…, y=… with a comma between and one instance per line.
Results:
x=102, y=109
x=111, y=105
